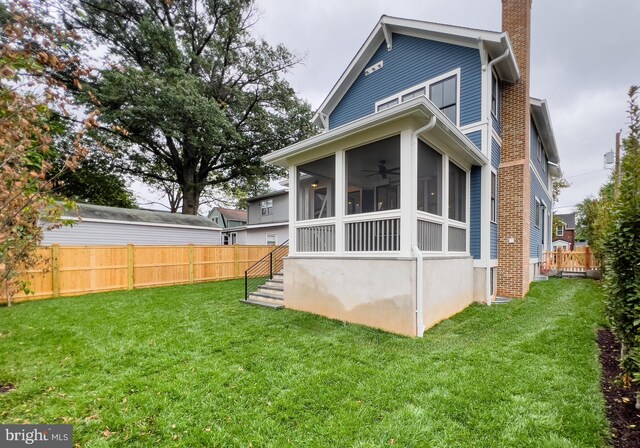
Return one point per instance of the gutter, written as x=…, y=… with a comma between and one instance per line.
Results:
x=418, y=254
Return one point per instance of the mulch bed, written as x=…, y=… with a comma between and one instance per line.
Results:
x=623, y=416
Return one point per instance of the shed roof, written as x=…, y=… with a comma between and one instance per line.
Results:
x=99, y=212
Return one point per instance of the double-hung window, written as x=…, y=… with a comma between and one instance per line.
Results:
x=495, y=94
x=266, y=207
x=444, y=94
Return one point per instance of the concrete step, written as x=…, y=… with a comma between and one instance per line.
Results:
x=271, y=290
x=274, y=306
x=501, y=301
x=540, y=278
x=274, y=285
x=267, y=297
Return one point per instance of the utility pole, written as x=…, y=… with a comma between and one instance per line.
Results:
x=618, y=165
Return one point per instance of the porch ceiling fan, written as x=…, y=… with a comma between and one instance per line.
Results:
x=383, y=171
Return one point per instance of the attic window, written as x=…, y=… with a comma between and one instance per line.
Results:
x=387, y=105
x=266, y=207
x=443, y=91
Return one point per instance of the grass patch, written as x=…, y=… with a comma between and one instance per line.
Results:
x=191, y=366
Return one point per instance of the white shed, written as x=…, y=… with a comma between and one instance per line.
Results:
x=98, y=225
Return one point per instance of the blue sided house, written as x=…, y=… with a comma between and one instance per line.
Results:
x=429, y=187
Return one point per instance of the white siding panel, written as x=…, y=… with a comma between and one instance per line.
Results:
x=259, y=236
x=108, y=234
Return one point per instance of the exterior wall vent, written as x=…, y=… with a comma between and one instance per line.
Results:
x=375, y=67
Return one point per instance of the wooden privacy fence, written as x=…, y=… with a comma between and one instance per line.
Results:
x=579, y=260
x=74, y=270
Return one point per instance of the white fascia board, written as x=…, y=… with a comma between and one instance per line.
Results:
x=138, y=223
x=542, y=119
x=265, y=225
x=496, y=42
x=420, y=106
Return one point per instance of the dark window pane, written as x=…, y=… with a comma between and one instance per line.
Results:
x=429, y=179
x=436, y=94
x=369, y=168
x=457, y=193
x=449, y=94
x=316, y=187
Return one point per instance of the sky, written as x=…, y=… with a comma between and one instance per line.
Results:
x=584, y=56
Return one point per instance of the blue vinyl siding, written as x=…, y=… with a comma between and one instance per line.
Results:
x=534, y=154
x=412, y=61
x=536, y=233
x=495, y=153
x=476, y=202
x=494, y=241
x=476, y=138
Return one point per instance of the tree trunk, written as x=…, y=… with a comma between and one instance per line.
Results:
x=190, y=199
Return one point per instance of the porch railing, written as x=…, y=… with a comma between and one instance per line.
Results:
x=373, y=235
x=264, y=269
x=318, y=238
x=429, y=236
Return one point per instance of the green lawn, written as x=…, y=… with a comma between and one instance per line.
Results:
x=191, y=366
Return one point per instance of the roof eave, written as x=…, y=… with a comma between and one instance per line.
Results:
x=418, y=105
x=496, y=42
x=542, y=118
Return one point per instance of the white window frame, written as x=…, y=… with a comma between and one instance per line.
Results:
x=494, y=191
x=266, y=207
x=426, y=85
x=495, y=83
x=539, y=149
x=537, y=216
x=560, y=230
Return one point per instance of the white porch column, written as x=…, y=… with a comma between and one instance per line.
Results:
x=293, y=201
x=407, y=192
x=339, y=191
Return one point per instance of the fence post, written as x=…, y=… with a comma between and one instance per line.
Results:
x=130, y=266
x=55, y=269
x=236, y=257
x=560, y=260
x=191, y=278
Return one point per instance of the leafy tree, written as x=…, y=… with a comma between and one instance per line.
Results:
x=29, y=96
x=196, y=98
x=94, y=181
x=622, y=302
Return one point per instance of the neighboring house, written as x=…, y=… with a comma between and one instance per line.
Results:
x=268, y=221
x=233, y=224
x=565, y=235
x=113, y=226
x=430, y=185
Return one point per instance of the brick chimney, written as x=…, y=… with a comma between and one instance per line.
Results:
x=514, y=175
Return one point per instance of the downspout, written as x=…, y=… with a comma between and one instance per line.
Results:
x=490, y=67
x=418, y=254
x=498, y=59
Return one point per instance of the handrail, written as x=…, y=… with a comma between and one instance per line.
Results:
x=262, y=270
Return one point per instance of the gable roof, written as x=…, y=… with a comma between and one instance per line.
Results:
x=90, y=212
x=496, y=44
x=231, y=213
x=569, y=219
